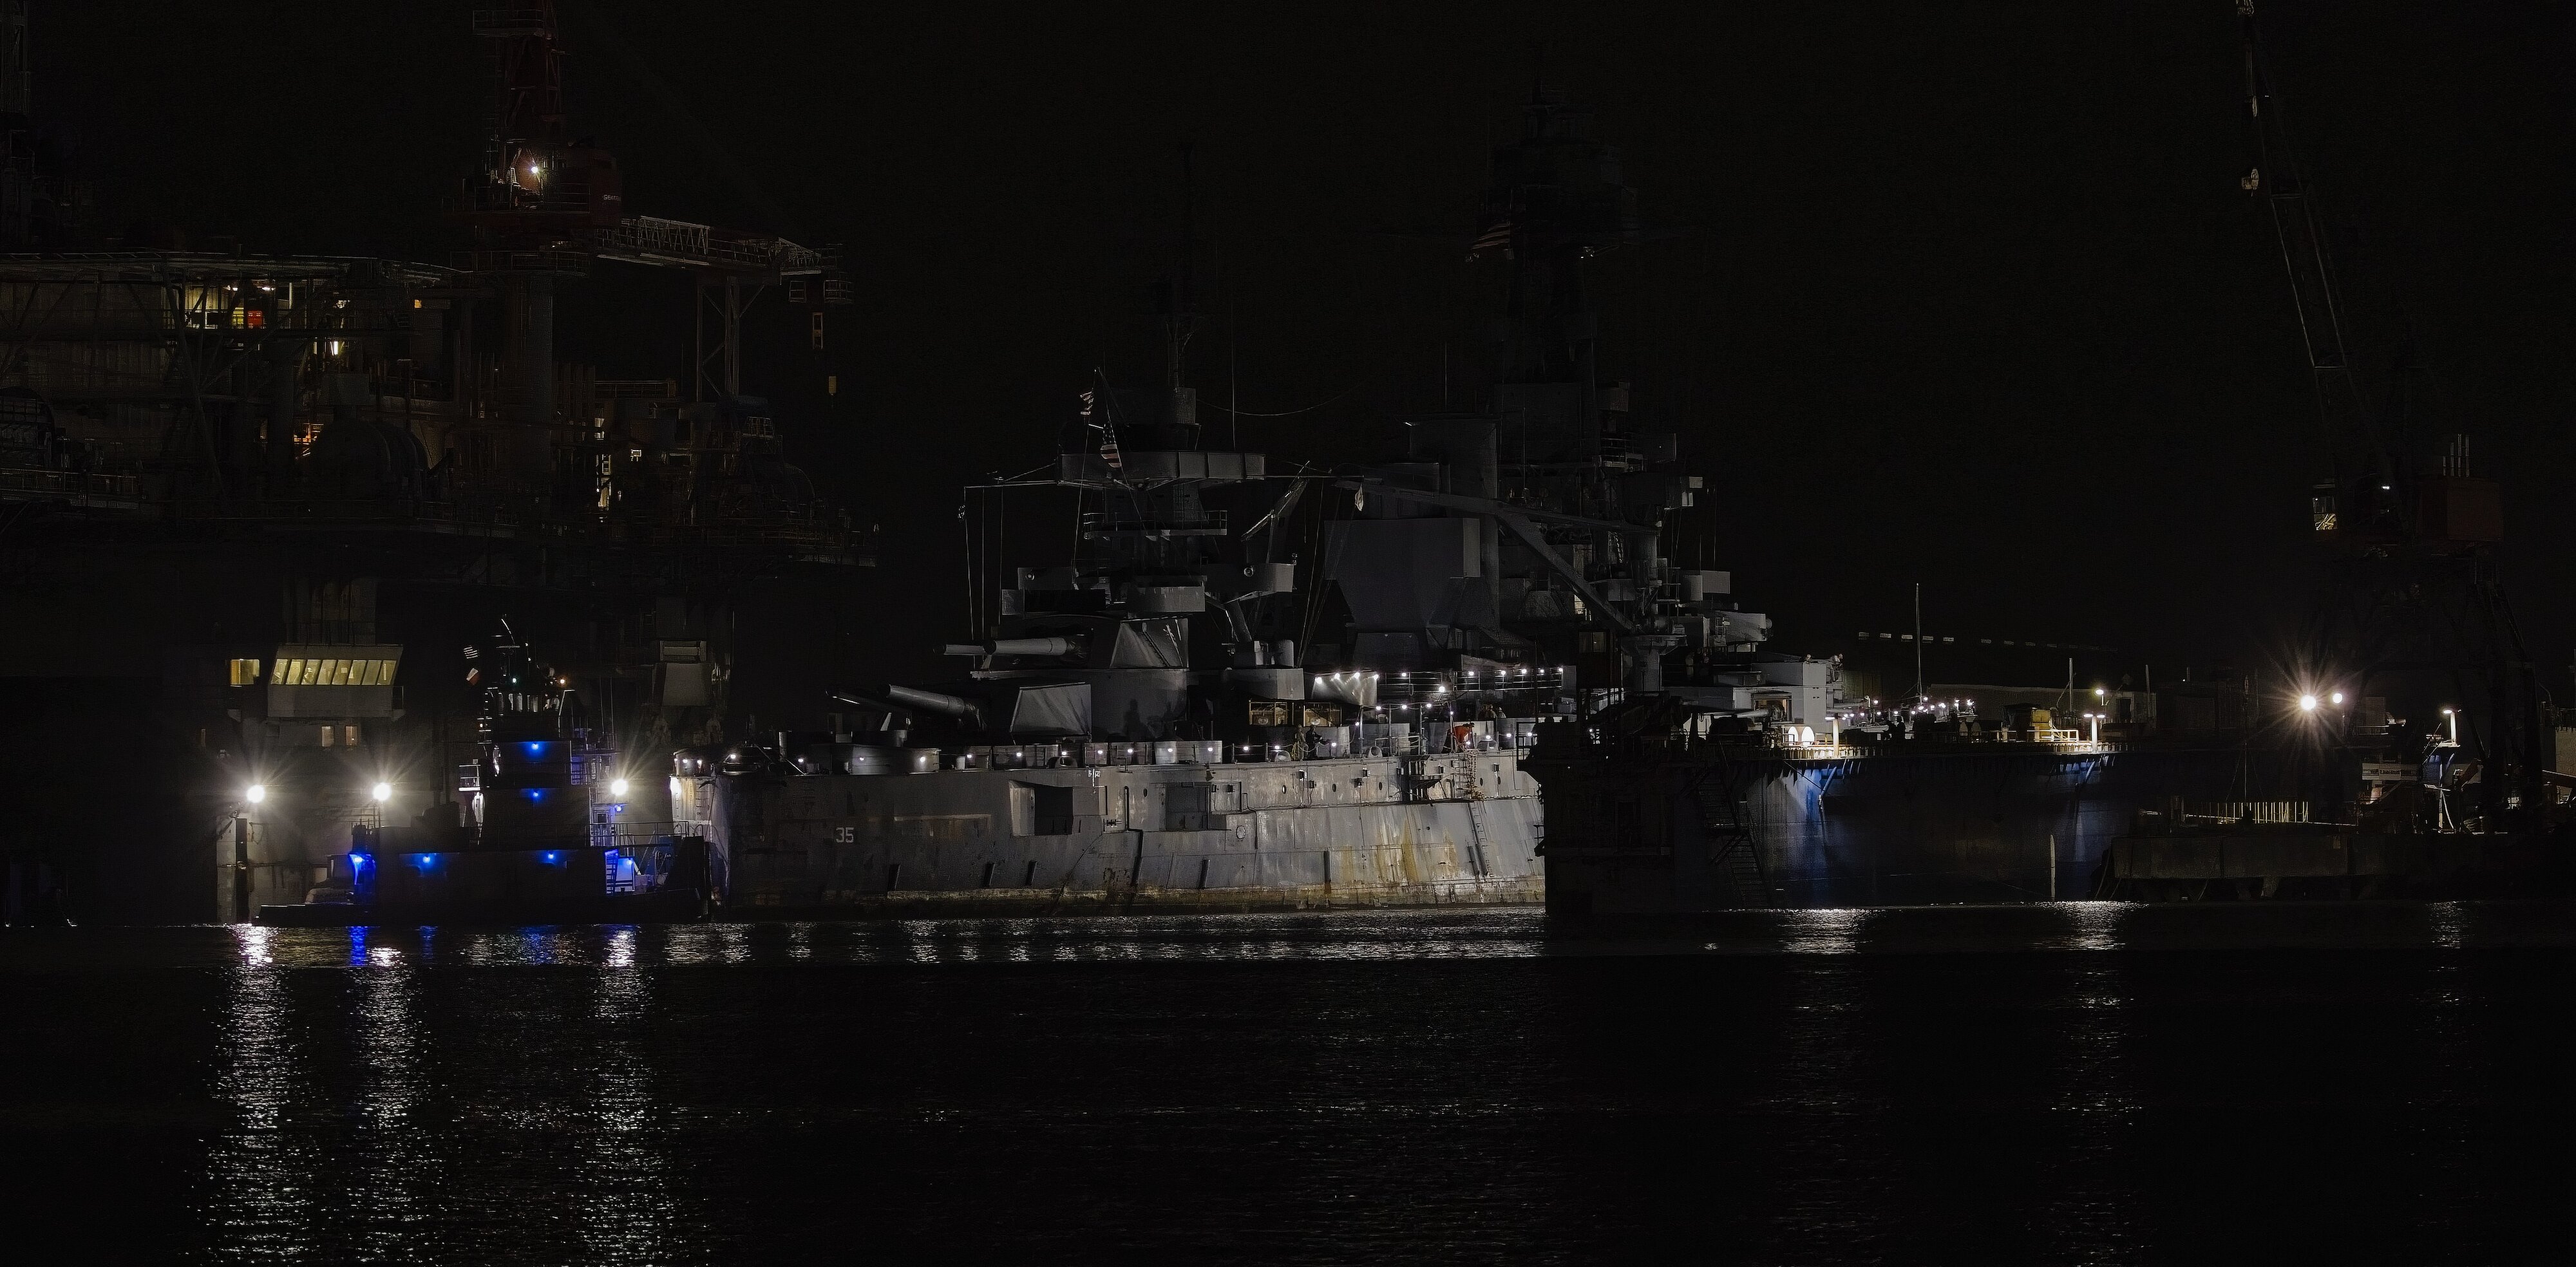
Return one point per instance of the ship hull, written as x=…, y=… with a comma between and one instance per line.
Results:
x=1346, y=832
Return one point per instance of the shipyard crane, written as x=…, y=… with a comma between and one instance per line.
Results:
x=545, y=204
x=2410, y=583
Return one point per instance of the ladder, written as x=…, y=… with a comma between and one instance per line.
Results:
x=1734, y=855
x=1475, y=827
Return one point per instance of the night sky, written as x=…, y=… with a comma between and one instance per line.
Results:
x=1963, y=294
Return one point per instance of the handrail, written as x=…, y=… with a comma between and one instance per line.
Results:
x=69, y=483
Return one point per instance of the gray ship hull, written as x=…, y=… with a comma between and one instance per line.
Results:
x=1462, y=829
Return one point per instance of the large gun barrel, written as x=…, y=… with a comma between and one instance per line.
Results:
x=912, y=699
x=1016, y=646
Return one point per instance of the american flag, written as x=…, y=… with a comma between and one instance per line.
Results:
x=1496, y=238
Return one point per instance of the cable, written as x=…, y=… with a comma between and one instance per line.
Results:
x=1291, y=413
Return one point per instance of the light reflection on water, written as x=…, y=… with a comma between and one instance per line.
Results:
x=1828, y=932
x=2090, y=1212
x=260, y=1176
x=613, y=1093
x=626, y=1213
x=397, y=1176
x=1489, y=933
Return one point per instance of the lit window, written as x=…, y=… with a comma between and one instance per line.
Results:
x=349, y=735
x=328, y=734
x=369, y=672
x=245, y=672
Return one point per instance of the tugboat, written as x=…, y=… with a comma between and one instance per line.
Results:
x=536, y=831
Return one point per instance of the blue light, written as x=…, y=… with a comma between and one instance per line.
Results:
x=535, y=749
x=533, y=793
x=551, y=856
x=359, y=861
x=424, y=861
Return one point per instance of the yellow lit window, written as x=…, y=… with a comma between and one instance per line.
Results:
x=245, y=672
x=312, y=670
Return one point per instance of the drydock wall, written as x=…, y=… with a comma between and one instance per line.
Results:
x=1948, y=826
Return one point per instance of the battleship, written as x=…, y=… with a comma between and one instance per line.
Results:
x=1156, y=723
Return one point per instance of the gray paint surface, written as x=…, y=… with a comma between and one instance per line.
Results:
x=1353, y=831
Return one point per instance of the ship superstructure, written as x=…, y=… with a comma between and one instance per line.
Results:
x=1530, y=536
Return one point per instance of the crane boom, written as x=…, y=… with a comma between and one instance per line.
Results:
x=2356, y=450
x=2412, y=588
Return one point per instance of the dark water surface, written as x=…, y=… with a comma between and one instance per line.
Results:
x=2070, y=1083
